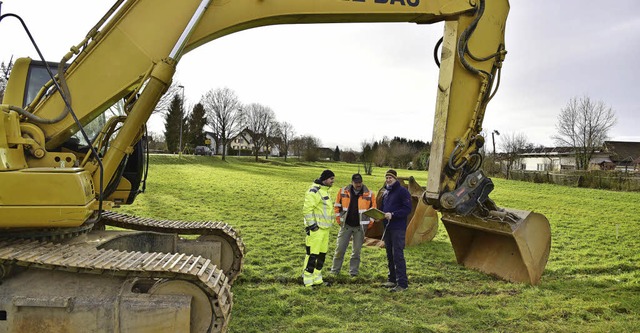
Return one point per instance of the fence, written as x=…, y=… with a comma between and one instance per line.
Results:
x=610, y=180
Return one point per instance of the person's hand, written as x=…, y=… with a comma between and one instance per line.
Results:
x=388, y=216
x=310, y=228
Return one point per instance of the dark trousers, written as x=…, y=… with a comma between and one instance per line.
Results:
x=394, y=244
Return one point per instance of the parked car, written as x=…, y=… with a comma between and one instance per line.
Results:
x=202, y=150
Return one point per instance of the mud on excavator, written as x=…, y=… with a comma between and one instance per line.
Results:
x=59, y=192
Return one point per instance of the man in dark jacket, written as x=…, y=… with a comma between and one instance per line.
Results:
x=396, y=205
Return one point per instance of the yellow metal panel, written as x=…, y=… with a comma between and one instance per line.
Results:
x=44, y=216
x=45, y=197
x=46, y=187
x=225, y=17
x=11, y=155
x=14, y=93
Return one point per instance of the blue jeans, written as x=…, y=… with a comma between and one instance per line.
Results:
x=394, y=244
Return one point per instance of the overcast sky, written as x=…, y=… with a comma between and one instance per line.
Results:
x=349, y=83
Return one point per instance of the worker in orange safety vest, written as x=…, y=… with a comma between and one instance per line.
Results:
x=351, y=201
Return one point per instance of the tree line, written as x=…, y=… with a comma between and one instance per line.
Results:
x=221, y=110
x=583, y=124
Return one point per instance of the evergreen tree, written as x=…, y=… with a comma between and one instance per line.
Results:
x=172, y=124
x=336, y=154
x=197, y=120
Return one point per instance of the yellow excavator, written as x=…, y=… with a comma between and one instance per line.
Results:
x=60, y=184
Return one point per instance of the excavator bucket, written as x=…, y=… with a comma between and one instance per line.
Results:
x=513, y=246
x=423, y=225
x=423, y=220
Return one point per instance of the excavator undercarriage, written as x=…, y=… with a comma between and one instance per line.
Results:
x=147, y=277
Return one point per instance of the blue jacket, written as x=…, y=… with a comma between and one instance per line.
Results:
x=396, y=200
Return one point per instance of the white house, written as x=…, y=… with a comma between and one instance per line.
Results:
x=239, y=143
x=614, y=154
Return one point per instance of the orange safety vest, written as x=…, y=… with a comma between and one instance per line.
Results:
x=367, y=200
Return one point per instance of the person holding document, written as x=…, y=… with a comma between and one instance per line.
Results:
x=351, y=201
x=396, y=205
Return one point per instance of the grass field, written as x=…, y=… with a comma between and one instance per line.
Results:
x=591, y=282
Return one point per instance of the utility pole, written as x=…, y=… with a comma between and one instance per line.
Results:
x=182, y=120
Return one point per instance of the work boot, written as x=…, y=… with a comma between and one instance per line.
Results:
x=389, y=284
x=398, y=289
x=317, y=277
x=307, y=278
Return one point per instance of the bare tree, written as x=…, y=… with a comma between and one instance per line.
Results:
x=258, y=120
x=5, y=71
x=382, y=152
x=310, y=148
x=156, y=142
x=285, y=133
x=400, y=154
x=367, y=157
x=165, y=101
x=512, y=145
x=270, y=135
x=297, y=145
x=584, y=125
x=223, y=115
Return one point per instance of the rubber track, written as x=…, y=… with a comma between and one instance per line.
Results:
x=90, y=260
x=219, y=229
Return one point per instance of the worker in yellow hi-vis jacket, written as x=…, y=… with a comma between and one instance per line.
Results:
x=318, y=217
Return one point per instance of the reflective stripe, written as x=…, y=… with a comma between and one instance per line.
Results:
x=365, y=201
x=308, y=278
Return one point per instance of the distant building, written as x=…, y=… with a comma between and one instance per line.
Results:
x=613, y=155
x=244, y=142
x=625, y=155
x=325, y=154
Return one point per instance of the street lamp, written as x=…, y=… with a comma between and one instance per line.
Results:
x=182, y=120
x=493, y=139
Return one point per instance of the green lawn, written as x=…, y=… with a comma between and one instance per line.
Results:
x=591, y=282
